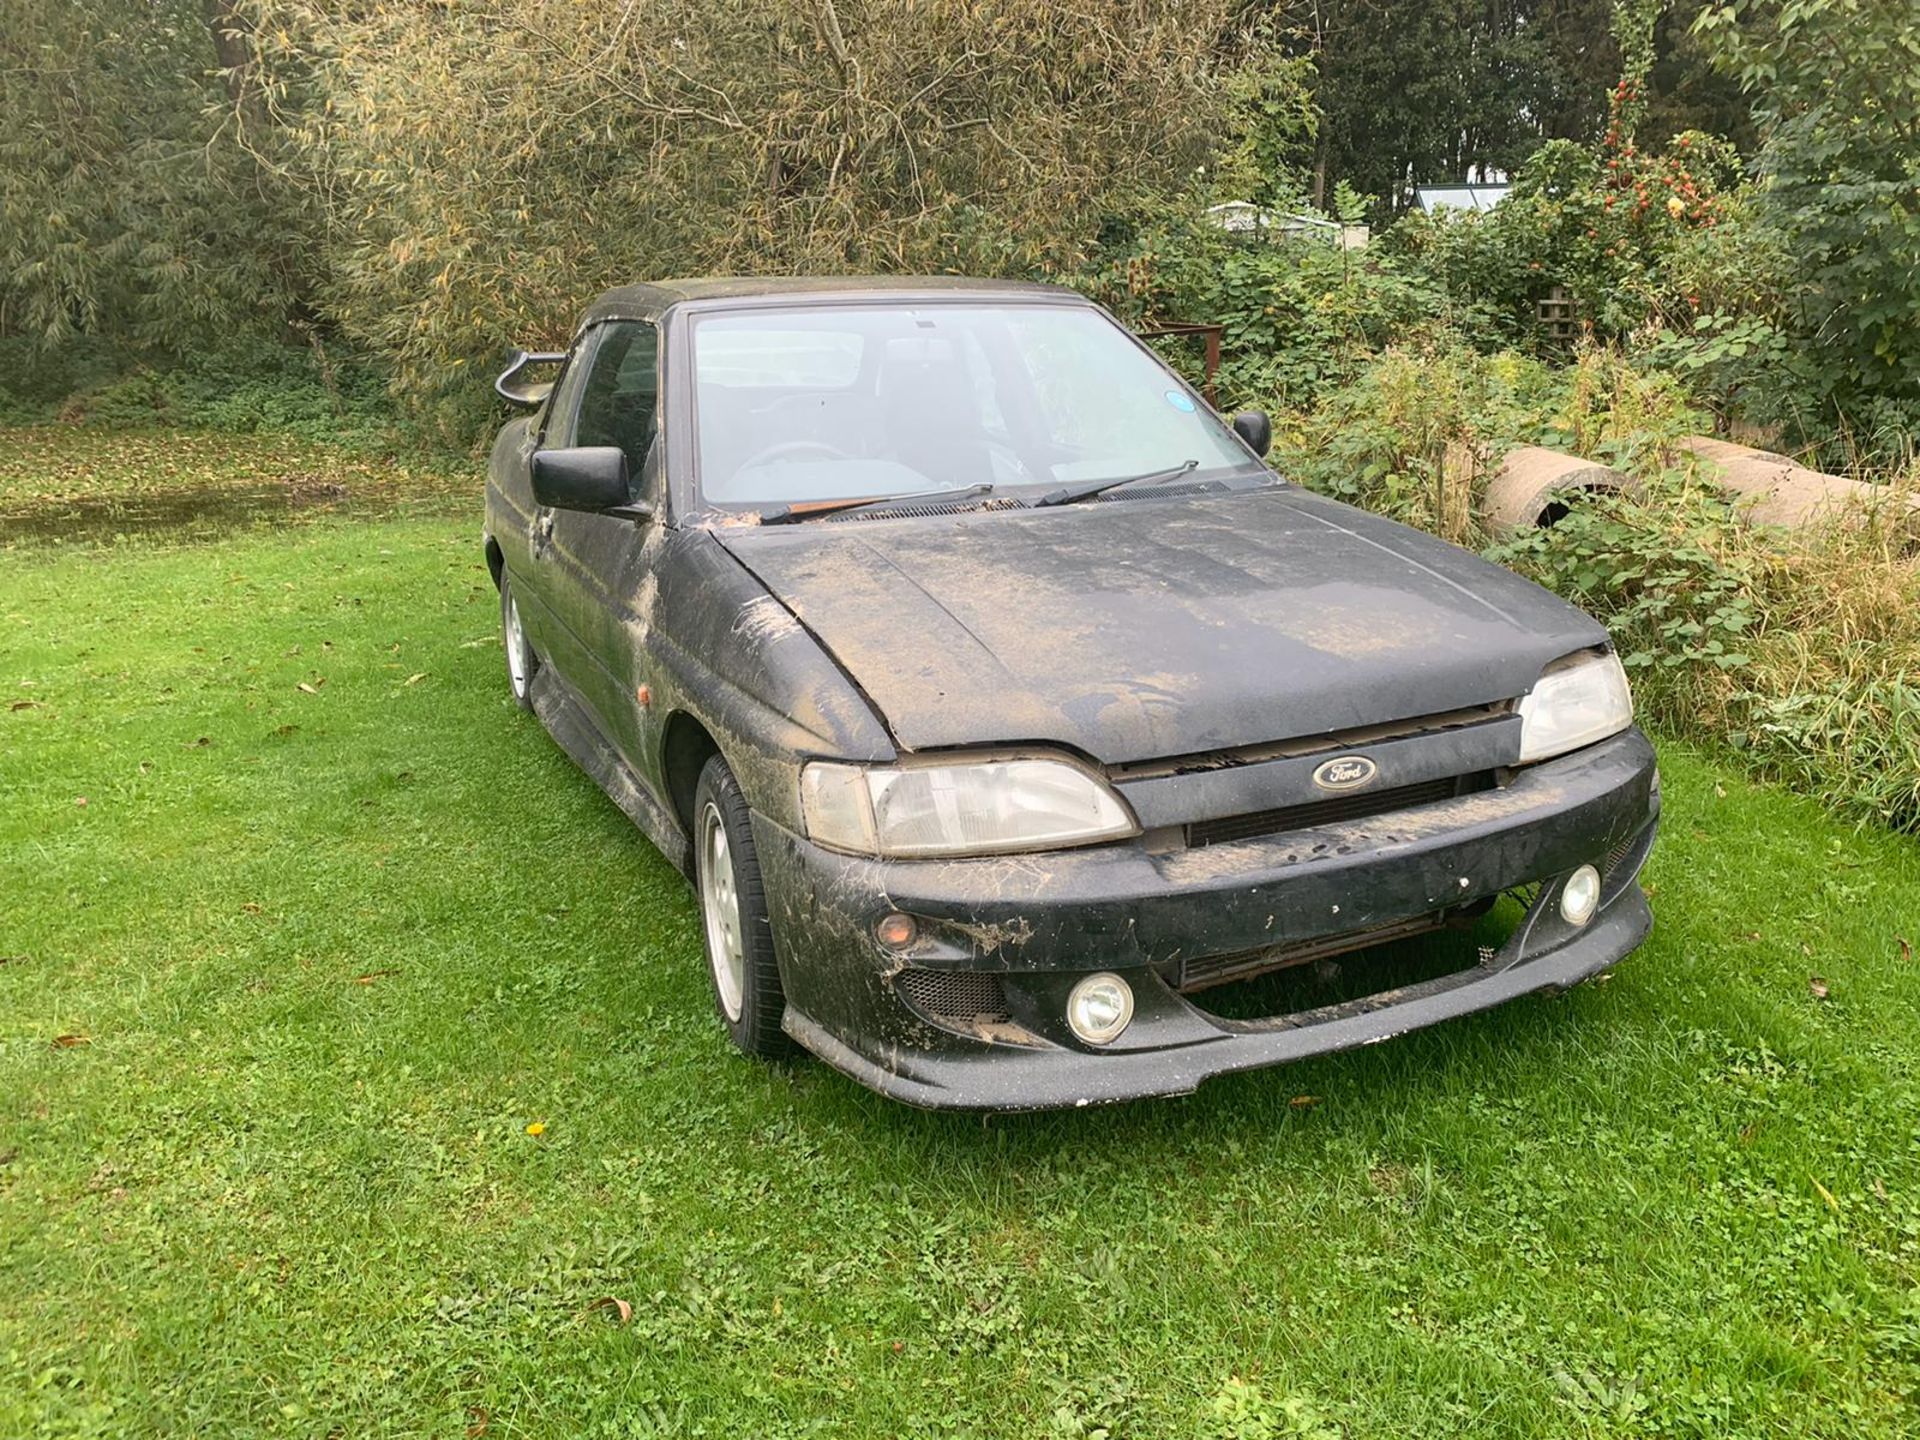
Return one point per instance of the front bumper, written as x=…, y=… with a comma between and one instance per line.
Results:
x=1039, y=922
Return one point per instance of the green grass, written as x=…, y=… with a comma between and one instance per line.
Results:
x=333, y=953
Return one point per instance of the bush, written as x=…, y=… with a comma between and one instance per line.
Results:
x=1299, y=317
x=1608, y=225
x=1797, y=652
x=1837, y=87
x=245, y=387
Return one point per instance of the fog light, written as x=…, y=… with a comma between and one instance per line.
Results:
x=895, y=931
x=1580, y=895
x=1099, y=1008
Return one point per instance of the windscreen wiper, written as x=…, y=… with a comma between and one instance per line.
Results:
x=1067, y=494
x=808, y=509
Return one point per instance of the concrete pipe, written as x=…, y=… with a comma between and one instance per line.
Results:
x=1522, y=493
x=1775, y=490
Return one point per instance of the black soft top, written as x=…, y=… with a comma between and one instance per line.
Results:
x=646, y=302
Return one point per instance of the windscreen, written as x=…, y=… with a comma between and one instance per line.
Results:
x=794, y=405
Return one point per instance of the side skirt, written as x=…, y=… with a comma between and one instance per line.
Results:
x=573, y=729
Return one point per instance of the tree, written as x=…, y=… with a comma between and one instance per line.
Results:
x=1837, y=85
x=489, y=166
x=1428, y=91
x=126, y=206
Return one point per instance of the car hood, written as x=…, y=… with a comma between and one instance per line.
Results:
x=1143, y=628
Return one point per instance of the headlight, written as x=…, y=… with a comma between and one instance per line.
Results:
x=1577, y=701
x=988, y=808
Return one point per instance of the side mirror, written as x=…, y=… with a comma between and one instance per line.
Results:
x=1256, y=429
x=516, y=389
x=586, y=477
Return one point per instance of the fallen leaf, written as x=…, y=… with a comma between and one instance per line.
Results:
x=307, y=688
x=1906, y=949
x=81, y=801
x=202, y=742
x=479, y=1419
x=1817, y=986
x=252, y=907
x=1826, y=1195
x=24, y=705
x=1303, y=1102
x=373, y=975
x=614, y=1303
x=1719, y=790
x=68, y=1042
x=416, y=679
x=538, y=1127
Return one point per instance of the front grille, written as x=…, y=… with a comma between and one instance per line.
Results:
x=1208, y=971
x=1334, y=809
x=956, y=997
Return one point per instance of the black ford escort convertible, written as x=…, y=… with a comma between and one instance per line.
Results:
x=1004, y=708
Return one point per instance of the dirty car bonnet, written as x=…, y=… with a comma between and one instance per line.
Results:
x=1134, y=631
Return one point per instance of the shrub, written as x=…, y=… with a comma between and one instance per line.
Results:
x=1837, y=87
x=1799, y=652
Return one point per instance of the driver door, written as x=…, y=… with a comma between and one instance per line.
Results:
x=603, y=557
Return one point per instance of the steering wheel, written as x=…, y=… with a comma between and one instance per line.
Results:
x=792, y=449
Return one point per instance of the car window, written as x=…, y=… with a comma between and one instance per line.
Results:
x=558, y=426
x=620, y=398
x=832, y=403
x=763, y=356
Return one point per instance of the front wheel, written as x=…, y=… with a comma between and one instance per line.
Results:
x=522, y=663
x=733, y=914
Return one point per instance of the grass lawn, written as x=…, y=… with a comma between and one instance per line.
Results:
x=356, y=1058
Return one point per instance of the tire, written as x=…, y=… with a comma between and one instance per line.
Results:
x=734, y=924
x=522, y=663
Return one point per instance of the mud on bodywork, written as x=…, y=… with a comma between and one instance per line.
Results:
x=1035, y=924
x=1207, y=656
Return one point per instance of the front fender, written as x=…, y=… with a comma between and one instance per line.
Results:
x=728, y=654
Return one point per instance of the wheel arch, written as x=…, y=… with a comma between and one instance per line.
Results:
x=685, y=748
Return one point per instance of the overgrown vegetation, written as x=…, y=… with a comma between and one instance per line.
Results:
x=327, y=221
x=1799, y=653
x=358, y=1076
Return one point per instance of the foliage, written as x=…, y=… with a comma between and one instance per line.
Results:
x=335, y=951
x=1797, y=653
x=1609, y=225
x=128, y=206
x=494, y=164
x=1431, y=91
x=1837, y=85
x=243, y=385
x=1267, y=127
x=1297, y=314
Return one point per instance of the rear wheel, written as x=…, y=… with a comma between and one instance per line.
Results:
x=522, y=663
x=733, y=916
